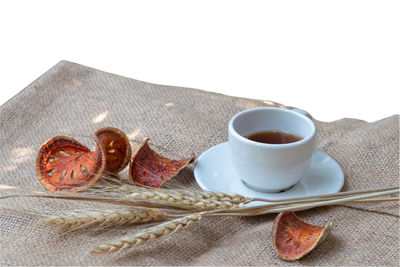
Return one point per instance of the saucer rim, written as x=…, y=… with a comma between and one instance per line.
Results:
x=338, y=189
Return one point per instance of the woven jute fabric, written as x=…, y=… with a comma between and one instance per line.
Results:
x=75, y=100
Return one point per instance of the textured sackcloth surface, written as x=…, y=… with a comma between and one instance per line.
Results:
x=75, y=100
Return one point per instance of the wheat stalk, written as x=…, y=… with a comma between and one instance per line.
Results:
x=188, y=199
x=77, y=219
x=182, y=199
x=150, y=234
x=196, y=200
x=217, y=197
x=299, y=205
x=200, y=200
x=175, y=199
x=170, y=227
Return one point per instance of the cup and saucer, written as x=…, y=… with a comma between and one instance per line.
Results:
x=264, y=170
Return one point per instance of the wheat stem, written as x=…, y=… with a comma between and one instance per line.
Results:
x=378, y=199
x=276, y=208
x=332, y=195
x=313, y=199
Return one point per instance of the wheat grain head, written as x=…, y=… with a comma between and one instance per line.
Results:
x=76, y=219
x=150, y=234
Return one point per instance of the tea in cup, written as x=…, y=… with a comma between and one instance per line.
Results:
x=271, y=147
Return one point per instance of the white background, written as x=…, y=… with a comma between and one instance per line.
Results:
x=334, y=59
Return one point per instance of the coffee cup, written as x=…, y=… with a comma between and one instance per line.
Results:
x=271, y=167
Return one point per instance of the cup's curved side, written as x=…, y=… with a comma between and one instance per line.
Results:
x=267, y=167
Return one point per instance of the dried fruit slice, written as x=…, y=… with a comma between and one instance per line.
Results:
x=294, y=238
x=149, y=168
x=65, y=165
x=118, y=148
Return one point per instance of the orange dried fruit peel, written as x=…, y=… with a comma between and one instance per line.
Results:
x=294, y=238
x=65, y=165
x=150, y=169
x=117, y=147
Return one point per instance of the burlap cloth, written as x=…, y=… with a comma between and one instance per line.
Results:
x=75, y=100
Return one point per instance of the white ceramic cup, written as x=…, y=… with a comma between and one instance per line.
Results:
x=271, y=167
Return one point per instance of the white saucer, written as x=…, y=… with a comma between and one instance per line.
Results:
x=214, y=171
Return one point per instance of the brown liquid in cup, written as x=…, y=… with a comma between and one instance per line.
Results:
x=273, y=137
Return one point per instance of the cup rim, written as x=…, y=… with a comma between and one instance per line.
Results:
x=304, y=140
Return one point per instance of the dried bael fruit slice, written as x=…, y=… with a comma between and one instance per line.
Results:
x=118, y=149
x=65, y=165
x=150, y=169
x=294, y=238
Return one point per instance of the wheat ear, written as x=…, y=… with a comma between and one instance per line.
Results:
x=211, y=196
x=179, y=201
x=112, y=217
x=196, y=200
x=150, y=234
x=181, y=198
